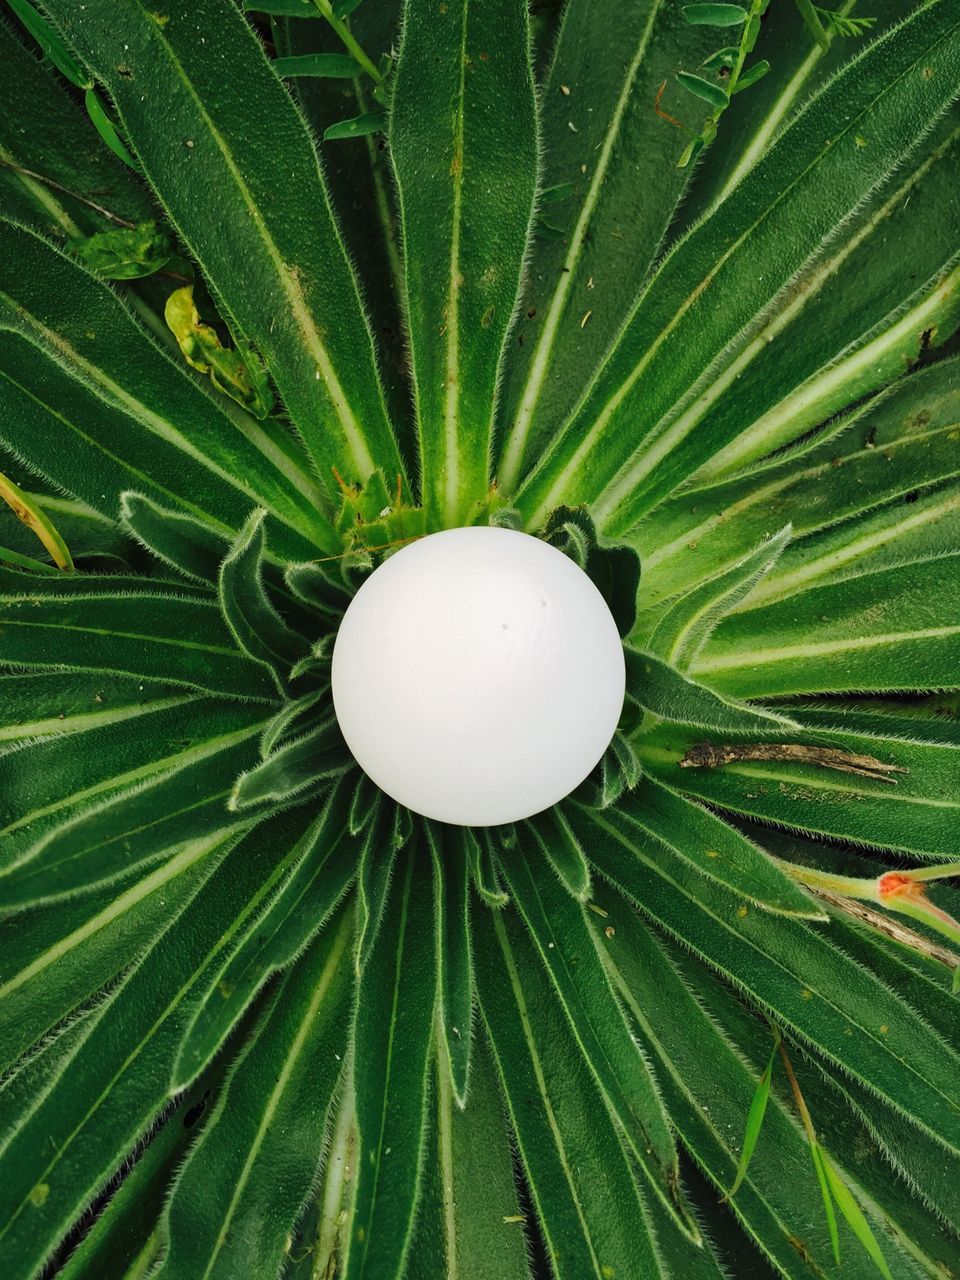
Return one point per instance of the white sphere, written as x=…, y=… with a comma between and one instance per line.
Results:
x=478, y=676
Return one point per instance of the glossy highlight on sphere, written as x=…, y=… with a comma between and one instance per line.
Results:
x=478, y=676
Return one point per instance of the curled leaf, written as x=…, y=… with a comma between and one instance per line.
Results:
x=237, y=373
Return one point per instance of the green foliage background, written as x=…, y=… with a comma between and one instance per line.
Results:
x=283, y=290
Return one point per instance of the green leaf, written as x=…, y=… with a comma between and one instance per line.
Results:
x=297, y=898
x=55, y=175
x=126, y=1237
x=374, y=873
x=360, y=177
x=811, y=20
x=665, y=347
x=816, y=1154
x=715, y=849
x=758, y=1108
x=558, y=927
x=582, y=1188
x=469, y=1222
x=752, y=74
x=562, y=851
x=913, y=807
x=392, y=1039
x=888, y=630
x=601, y=135
x=130, y=817
x=116, y=1083
x=94, y=404
x=250, y=614
x=60, y=955
x=245, y=1180
x=715, y=15
x=356, y=126
x=50, y=42
x=682, y=1017
x=852, y=1212
x=687, y=625
x=236, y=372
x=464, y=148
x=308, y=712
x=336, y=66
x=844, y=495
x=277, y=286
x=188, y=545
x=806, y=984
x=124, y=626
x=707, y=90
x=107, y=129
x=308, y=761
x=451, y=879
x=481, y=859
x=678, y=699
x=125, y=253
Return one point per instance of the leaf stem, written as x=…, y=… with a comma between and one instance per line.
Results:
x=349, y=41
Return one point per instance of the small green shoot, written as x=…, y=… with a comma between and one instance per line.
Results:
x=758, y=1107
x=728, y=63
x=832, y=1187
x=107, y=129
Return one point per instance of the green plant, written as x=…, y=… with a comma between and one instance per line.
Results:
x=259, y=1020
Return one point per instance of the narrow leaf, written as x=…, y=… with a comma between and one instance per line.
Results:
x=393, y=1036
x=309, y=760
x=279, y=287
x=758, y=1107
x=581, y=1183
x=188, y=545
x=464, y=148
x=243, y=1185
x=707, y=90
x=715, y=15
x=686, y=627
x=454, y=959
x=679, y=699
x=559, y=930
x=356, y=126
x=337, y=66
x=50, y=42
x=306, y=884
x=563, y=852
x=107, y=129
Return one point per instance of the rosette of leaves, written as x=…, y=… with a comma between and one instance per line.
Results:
x=256, y=1019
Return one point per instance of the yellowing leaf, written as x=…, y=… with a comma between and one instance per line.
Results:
x=236, y=372
x=27, y=511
